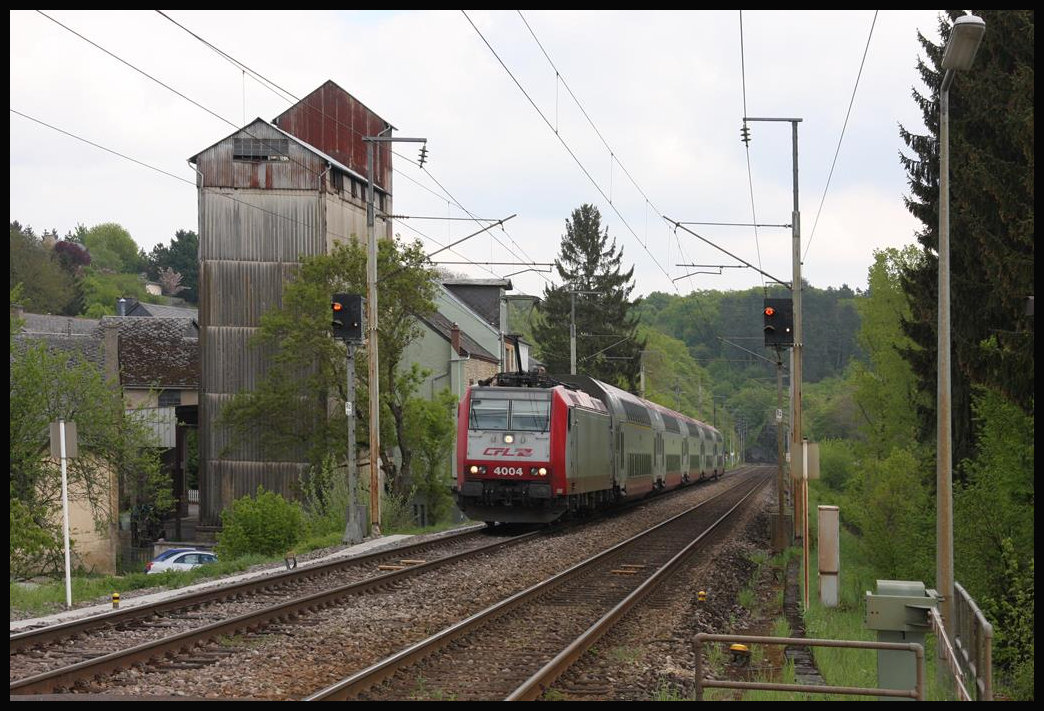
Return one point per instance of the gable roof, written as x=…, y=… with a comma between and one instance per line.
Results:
x=155, y=353
x=326, y=157
x=444, y=328
x=142, y=308
x=480, y=295
x=188, y=315
x=336, y=123
x=152, y=352
x=79, y=337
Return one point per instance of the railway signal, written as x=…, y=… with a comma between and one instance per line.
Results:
x=347, y=317
x=779, y=322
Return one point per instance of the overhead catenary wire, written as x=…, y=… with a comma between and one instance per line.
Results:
x=841, y=138
x=612, y=154
x=290, y=96
x=244, y=129
x=568, y=149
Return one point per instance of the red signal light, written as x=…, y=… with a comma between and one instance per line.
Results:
x=769, y=311
x=336, y=306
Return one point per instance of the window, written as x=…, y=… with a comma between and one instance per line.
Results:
x=261, y=149
x=636, y=413
x=525, y=415
x=489, y=414
x=530, y=415
x=169, y=398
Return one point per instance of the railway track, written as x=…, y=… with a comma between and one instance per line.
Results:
x=44, y=660
x=516, y=649
x=212, y=641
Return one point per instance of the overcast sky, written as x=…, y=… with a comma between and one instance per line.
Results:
x=526, y=113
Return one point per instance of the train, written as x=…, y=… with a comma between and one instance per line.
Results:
x=532, y=448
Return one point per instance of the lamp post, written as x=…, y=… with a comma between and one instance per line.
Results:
x=572, y=328
x=965, y=37
x=371, y=305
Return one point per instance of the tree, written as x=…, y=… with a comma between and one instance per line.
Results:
x=170, y=281
x=993, y=529
x=72, y=256
x=113, y=249
x=885, y=388
x=47, y=386
x=293, y=407
x=430, y=433
x=991, y=222
x=46, y=287
x=102, y=290
x=182, y=257
x=607, y=344
x=894, y=516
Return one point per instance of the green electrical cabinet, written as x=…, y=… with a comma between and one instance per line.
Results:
x=899, y=612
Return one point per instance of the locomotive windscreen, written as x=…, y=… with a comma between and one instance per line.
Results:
x=530, y=413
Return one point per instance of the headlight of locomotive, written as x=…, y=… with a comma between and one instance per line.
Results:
x=538, y=471
x=476, y=469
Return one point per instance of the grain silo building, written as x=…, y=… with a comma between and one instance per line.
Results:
x=269, y=194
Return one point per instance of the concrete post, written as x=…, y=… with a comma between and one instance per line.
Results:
x=829, y=555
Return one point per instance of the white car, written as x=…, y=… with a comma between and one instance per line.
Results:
x=179, y=560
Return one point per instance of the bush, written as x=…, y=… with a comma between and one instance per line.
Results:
x=266, y=524
x=325, y=496
x=397, y=513
x=34, y=549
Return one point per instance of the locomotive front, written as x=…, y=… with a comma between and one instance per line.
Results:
x=504, y=455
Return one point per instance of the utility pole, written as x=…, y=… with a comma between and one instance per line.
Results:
x=780, y=483
x=371, y=302
x=641, y=374
x=796, y=353
x=353, y=526
x=572, y=328
x=780, y=520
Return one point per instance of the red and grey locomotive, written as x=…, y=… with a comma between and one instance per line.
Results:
x=532, y=449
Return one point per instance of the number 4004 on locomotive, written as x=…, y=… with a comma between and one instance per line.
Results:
x=531, y=448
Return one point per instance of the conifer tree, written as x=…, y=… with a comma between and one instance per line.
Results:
x=991, y=221
x=595, y=295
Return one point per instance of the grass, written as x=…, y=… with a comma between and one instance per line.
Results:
x=846, y=666
x=46, y=597
x=625, y=654
x=668, y=691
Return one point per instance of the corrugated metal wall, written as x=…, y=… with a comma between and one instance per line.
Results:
x=335, y=122
x=257, y=218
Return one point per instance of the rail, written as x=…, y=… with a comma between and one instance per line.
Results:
x=917, y=693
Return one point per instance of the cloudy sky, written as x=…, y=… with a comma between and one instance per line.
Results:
x=527, y=116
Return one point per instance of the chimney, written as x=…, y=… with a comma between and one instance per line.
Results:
x=455, y=339
x=121, y=306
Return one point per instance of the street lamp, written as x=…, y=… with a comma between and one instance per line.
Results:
x=371, y=303
x=965, y=37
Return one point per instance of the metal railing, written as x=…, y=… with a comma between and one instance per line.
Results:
x=917, y=693
x=969, y=655
x=974, y=642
